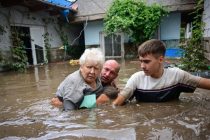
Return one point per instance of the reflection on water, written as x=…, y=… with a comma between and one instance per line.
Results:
x=26, y=113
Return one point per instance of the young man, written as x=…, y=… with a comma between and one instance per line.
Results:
x=156, y=83
x=108, y=74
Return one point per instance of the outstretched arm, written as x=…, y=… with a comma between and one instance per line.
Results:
x=119, y=101
x=125, y=94
x=204, y=83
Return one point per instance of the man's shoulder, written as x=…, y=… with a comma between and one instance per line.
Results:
x=73, y=77
x=137, y=74
x=174, y=70
x=74, y=74
x=111, y=91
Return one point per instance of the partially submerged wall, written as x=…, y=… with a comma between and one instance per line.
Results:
x=39, y=23
x=206, y=19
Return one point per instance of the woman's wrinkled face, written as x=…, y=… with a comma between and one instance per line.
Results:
x=90, y=71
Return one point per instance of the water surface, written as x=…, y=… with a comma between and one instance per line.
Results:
x=26, y=113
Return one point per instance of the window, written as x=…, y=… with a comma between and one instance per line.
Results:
x=113, y=45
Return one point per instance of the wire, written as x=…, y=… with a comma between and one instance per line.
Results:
x=76, y=38
x=80, y=31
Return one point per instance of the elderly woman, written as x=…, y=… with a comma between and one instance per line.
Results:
x=83, y=82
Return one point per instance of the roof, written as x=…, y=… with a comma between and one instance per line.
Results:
x=96, y=9
x=91, y=9
x=66, y=4
x=38, y=5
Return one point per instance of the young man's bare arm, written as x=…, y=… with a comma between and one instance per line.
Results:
x=119, y=101
x=204, y=83
x=125, y=94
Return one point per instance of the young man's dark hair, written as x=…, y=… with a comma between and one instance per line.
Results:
x=153, y=46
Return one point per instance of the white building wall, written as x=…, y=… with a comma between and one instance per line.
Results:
x=170, y=27
x=92, y=31
x=20, y=16
x=206, y=20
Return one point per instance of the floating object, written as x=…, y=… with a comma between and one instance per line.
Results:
x=61, y=48
x=74, y=62
x=174, y=52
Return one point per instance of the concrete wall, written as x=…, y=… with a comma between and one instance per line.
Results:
x=92, y=31
x=169, y=29
x=170, y=26
x=206, y=20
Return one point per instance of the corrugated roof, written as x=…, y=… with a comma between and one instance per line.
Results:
x=66, y=4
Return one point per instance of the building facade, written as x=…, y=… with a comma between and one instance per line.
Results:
x=40, y=25
x=91, y=13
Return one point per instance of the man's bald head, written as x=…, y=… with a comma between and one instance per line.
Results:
x=109, y=71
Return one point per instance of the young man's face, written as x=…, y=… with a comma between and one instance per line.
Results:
x=152, y=66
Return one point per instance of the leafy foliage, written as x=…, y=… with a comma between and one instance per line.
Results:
x=18, y=53
x=193, y=59
x=47, y=45
x=62, y=35
x=133, y=17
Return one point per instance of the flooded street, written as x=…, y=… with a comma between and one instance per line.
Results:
x=26, y=112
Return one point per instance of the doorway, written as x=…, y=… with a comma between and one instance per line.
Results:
x=24, y=34
x=32, y=38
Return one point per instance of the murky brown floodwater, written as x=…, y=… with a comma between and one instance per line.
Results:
x=26, y=113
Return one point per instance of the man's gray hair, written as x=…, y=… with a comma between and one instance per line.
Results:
x=92, y=54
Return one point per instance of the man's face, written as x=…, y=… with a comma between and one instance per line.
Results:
x=108, y=73
x=90, y=71
x=152, y=66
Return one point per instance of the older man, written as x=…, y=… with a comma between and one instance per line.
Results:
x=108, y=74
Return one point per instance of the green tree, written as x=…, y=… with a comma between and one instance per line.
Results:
x=134, y=17
x=19, y=56
x=193, y=59
x=47, y=46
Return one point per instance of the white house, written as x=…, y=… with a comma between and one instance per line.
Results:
x=91, y=13
x=38, y=21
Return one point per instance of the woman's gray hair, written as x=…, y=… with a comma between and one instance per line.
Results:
x=92, y=54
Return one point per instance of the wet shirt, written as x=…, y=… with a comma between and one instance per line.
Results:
x=111, y=90
x=73, y=88
x=168, y=87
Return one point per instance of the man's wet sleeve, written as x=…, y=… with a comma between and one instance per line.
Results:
x=111, y=92
x=126, y=92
